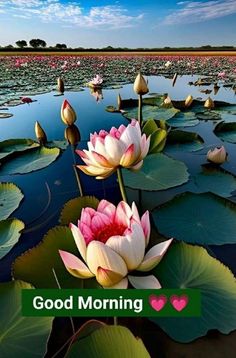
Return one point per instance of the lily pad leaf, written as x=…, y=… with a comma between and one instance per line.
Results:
x=183, y=119
x=45, y=257
x=72, y=209
x=109, y=342
x=20, y=336
x=214, y=180
x=183, y=141
x=29, y=161
x=10, y=198
x=204, y=219
x=10, y=146
x=187, y=266
x=226, y=131
x=159, y=172
x=10, y=232
x=61, y=144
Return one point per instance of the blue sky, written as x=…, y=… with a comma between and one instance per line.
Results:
x=140, y=23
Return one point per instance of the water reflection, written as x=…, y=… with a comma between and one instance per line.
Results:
x=96, y=92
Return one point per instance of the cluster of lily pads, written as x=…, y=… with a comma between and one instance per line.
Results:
x=30, y=75
x=142, y=155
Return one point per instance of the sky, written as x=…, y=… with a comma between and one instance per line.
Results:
x=140, y=23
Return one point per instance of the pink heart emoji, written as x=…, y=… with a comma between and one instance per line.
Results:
x=157, y=302
x=179, y=303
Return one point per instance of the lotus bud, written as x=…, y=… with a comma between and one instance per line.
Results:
x=140, y=85
x=216, y=89
x=40, y=134
x=209, y=104
x=174, y=79
x=60, y=85
x=72, y=135
x=167, y=102
x=188, y=101
x=217, y=155
x=119, y=102
x=68, y=114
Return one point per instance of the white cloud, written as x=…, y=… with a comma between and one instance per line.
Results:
x=198, y=11
x=71, y=13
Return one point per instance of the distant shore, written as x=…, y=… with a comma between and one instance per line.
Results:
x=116, y=53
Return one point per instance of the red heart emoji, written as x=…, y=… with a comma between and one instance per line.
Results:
x=179, y=302
x=157, y=302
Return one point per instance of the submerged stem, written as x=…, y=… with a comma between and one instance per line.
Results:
x=121, y=184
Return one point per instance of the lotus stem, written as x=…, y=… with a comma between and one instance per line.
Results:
x=59, y=286
x=140, y=115
x=115, y=321
x=78, y=181
x=76, y=172
x=121, y=184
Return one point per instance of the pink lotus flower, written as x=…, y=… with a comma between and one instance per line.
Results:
x=112, y=243
x=96, y=81
x=123, y=147
x=217, y=155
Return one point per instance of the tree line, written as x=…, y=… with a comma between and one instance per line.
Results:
x=40, y=45
x=37, y=43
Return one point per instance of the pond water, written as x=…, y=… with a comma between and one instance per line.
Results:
x=46, y=191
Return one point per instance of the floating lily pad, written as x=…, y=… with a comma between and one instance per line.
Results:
x=10, y=198
x=183, y=119
x=29, y=161
x=214, y=180
x=183, y=141
x=5, y=115
x=187, y=266
x=209, y=116
x=45, y=257
x=204, y=219
x=226, y=131
x=72, y=209
x=10, y=146
x=20, y=336
x=109, y=342
x=159, y=172
x=10, y=232
x=61, y=144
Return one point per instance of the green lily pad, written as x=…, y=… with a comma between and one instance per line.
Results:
x=187, y=266
x=29, y=161
x=5, y=115
x=72, y=209
x=183, y=119
x=45, y=257
x=183, y=141
x=10, y=146
x=152, y=108
x=226, y=131
x=61, y=144
x=209, y=116
x=20, y=336
x=159, y=172
x=109, y=342
x=214, y=180
x=10, y=198
x=10, y=232
x=204, y=219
